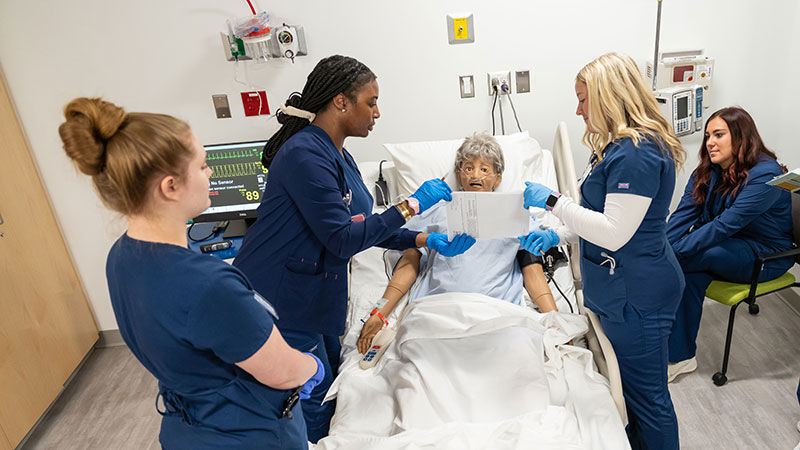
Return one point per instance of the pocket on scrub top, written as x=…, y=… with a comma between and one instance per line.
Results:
x=305, y=266
x=302, y=281
x=604, y=293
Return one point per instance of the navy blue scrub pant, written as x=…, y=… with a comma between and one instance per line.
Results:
x=328, y=350
x=732, y=260
x=640, y=342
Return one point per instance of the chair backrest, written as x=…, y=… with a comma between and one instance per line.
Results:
x=796, y=221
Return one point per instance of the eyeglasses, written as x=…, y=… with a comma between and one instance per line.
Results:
x=473, y=174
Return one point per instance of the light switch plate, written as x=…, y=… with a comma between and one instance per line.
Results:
x=221, y=106
x=466, y=84
x=523, y=78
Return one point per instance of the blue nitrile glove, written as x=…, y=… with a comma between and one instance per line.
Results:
x=315, y=379
x=431, y=192
x=459, y=244
x=536, y=194
x=538, y=241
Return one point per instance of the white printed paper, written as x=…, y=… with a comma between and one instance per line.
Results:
x=487, y=215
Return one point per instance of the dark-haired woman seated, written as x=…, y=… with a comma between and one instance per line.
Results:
x=727, y=216
x=316, y=213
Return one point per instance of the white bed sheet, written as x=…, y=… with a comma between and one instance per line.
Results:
x=383, y=410
x=468, y=371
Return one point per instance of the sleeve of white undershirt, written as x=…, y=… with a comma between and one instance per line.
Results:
x=610, y=229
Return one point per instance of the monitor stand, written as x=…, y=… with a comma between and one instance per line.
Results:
x=237, y=228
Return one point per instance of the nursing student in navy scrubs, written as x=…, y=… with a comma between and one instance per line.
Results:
x=727, y=216
x=631, y=277
x=316, y=213
x=226, y=377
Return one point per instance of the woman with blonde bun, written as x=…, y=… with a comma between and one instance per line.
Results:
x=631, y=277
x=226, y=377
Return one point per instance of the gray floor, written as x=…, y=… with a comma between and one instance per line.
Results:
x=110, y=403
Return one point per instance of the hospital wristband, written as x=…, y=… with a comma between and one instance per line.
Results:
x=375, y=311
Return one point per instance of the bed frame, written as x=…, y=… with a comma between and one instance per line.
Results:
x=596, y=339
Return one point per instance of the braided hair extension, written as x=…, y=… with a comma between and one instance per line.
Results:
x=332, y=76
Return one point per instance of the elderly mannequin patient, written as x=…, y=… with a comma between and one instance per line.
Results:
x=494, y=267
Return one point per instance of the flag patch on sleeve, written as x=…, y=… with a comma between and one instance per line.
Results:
x=623, y=185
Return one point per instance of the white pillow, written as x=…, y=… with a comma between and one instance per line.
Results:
x=417, y=162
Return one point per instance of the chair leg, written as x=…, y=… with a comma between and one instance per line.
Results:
x=720, y=378
x=753, y=308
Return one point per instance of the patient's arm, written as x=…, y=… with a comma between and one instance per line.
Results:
x=402, y=280
x=536, y=284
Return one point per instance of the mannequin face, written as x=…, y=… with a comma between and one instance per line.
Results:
x=478, y=175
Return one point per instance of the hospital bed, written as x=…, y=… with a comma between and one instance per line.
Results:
x=468, y=371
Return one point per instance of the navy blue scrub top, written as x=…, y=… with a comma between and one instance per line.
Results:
x=757, y=213
x=646, y=272
x=189, y=318
x=316, y=213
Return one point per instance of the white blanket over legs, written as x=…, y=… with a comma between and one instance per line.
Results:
x=467, y=371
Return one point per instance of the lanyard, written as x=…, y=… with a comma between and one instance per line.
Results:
x=593, y=162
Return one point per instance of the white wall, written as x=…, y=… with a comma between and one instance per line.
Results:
x=166, y=56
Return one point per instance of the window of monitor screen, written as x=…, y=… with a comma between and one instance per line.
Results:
x=237, y=180
x=683, y=107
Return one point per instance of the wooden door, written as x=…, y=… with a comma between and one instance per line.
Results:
x=46, y=327
x=4, y=444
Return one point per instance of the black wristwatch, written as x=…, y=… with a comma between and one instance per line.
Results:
x=551, y=200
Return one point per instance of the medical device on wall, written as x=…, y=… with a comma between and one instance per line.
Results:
x=254, y=38
x=288, y=43
x=683, y=108
x=236, y=185
x=681, y=83
x=681, y=68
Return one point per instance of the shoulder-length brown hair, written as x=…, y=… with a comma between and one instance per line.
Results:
x=747, y=148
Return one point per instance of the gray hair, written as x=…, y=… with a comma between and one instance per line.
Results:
x=484, y=146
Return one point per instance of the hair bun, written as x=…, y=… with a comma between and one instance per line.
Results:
x=90, y=123
x=295, y=99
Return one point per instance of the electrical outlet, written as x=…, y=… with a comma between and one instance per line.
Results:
x=498, y=79
x=255, y=103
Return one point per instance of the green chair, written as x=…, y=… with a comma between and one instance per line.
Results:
x=733, y=294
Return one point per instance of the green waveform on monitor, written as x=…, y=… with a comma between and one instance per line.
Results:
x=233, y=154
x=236, y=170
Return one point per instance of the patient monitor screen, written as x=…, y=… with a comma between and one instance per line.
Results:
x=238, y=178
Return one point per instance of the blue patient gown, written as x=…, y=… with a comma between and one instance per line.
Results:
x=189, y=318
x=489, y=267
x=636, y=301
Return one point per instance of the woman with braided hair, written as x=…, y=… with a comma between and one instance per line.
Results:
x=316, y=213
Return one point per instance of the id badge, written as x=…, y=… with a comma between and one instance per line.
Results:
x=348, y=198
